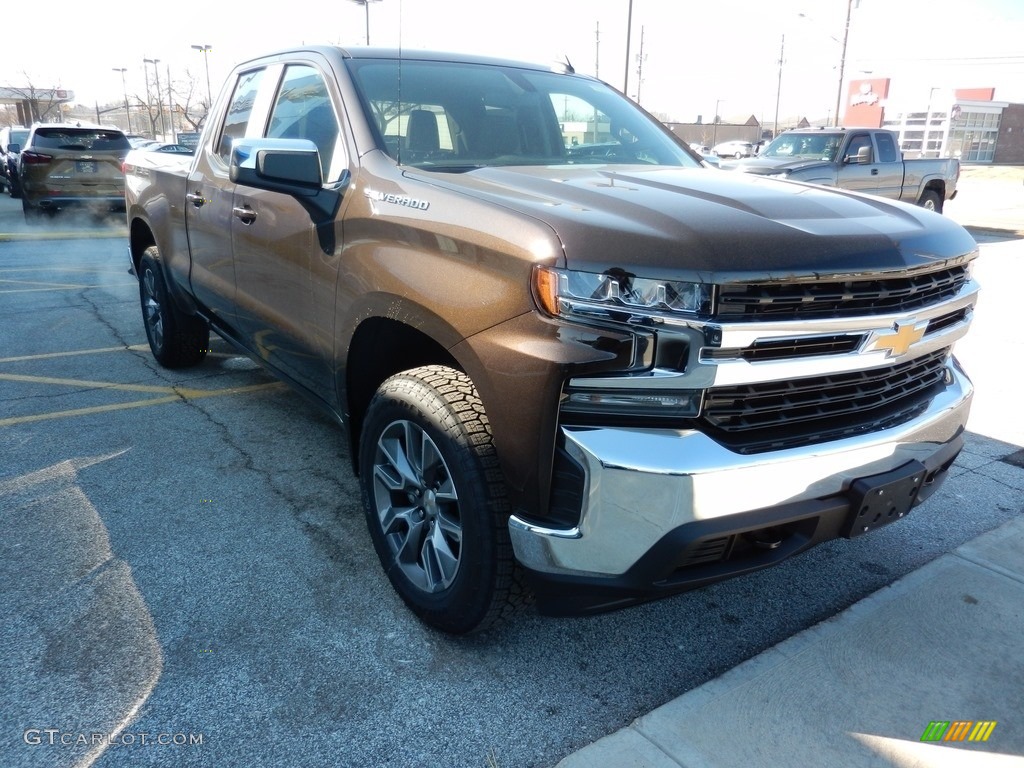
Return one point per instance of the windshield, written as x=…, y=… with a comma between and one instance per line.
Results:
x=806, y=146
x=457, y=117
x=80, y=139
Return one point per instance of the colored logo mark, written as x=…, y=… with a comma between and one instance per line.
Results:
x=958, y=730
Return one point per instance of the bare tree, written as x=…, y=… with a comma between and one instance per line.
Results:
x=37, y=104
x=189, y=106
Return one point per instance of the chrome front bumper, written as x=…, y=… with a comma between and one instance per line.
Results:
x=642, y=485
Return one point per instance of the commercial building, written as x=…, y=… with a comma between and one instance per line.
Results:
x=966, y=123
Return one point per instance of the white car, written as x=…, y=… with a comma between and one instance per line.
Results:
x=736, y=148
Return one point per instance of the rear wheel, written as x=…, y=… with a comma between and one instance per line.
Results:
x=930, y=201
x=435, y=500
x=176, y=339
x=33, y=215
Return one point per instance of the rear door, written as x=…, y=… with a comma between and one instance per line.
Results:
x=210, y=198
x=285, y=261
x=890, y=167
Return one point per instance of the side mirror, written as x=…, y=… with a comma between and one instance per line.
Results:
x=863, y=157
x=290, y=166
x=279, y=165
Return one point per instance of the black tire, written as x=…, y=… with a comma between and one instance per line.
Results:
x=14, y=187
x=435, y=500
x=930, y=201
x=33, y=215
x=177, y=340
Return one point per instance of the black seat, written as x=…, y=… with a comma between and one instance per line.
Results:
x=421, y=137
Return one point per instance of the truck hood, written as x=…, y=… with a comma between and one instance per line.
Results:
x=766, y=166
x=707, y=225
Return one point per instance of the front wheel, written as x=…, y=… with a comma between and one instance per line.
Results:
x=930, y=201
x=435, y=500
x=177, y=340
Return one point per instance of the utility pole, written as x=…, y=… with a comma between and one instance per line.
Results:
x=629, y=33
x=778, y=91
x=597, y=50
x=640, y=65
x=842, y=59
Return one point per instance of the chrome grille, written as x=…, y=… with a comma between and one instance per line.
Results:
x=837, y=298
x=782, y=414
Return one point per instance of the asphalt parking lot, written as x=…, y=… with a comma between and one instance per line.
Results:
x=186, y=562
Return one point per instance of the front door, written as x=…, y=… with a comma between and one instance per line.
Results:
x=285, y=268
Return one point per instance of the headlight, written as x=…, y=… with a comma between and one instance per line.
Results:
x=780, y=175
x=616, y=294
x=635, y=402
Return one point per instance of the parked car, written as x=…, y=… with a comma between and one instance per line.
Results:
x=65, y=165
x=736, y=148
x=174, y=149
x=11, y=140
x=139, y=142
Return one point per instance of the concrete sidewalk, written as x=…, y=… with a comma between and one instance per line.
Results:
x=945, y=643
x=942, y=644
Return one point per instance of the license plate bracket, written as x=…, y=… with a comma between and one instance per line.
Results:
x=878, y=500
x=85, y=166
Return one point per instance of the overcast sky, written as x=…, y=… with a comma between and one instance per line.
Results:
x=692, y=59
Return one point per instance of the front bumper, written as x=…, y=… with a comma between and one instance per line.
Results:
x=669, y=510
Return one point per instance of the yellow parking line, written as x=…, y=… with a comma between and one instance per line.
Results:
x=59, y=268
x=178, y=397
x=66, y=288
x=70, y=235
x=41, y=282
x=70, y=354
x=104, y=385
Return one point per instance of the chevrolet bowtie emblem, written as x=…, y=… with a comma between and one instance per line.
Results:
x=899, y=340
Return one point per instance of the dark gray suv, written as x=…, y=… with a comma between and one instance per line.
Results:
x=12, y=138
x=76, y=165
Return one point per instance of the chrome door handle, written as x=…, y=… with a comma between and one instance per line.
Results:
x=245, y=213
x=196, y=199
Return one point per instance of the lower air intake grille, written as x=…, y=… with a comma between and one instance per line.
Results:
x=784, y=414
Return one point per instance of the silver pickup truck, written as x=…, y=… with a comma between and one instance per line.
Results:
x=859, y=159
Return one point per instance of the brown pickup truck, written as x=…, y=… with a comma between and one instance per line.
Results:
x=581, y=366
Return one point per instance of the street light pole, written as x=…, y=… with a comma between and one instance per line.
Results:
x=159, y=95
x=170, y=105
x=205, y=50
x=124, y=89
x=366, y=5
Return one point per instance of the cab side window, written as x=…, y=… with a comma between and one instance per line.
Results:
x=858, y=141
x=303, y=110
x=886, y=148
x=239, y=111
